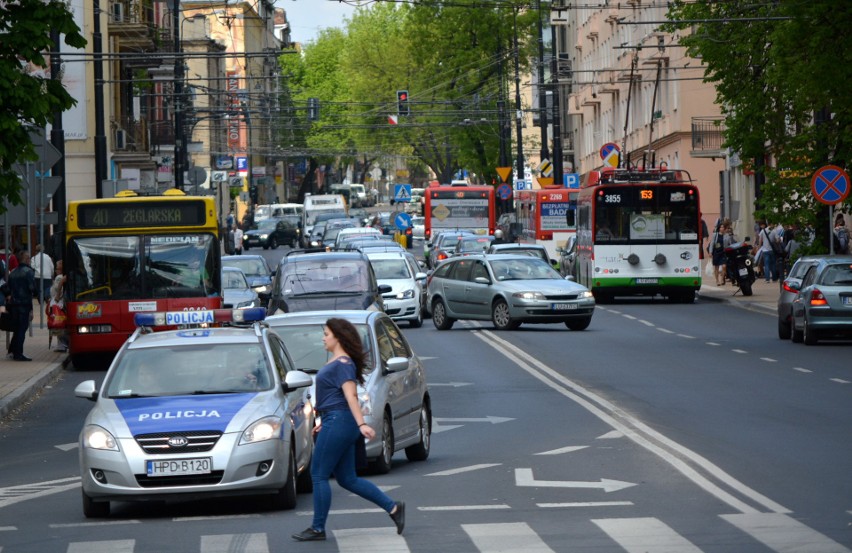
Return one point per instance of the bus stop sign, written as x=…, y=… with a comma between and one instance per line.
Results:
x=830, y=184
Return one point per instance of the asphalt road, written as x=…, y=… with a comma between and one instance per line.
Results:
x=673, y=428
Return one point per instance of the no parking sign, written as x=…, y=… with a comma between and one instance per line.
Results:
x=830, y=184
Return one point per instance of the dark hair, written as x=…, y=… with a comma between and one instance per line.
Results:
x=350, y=341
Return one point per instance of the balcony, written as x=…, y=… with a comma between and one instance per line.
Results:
x=132, y=23
x=708, y=137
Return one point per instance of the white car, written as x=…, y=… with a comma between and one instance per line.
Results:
x=197, y=413
x=418, y=227
x=400, y=271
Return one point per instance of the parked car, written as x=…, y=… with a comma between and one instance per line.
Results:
x=532, y=250
x=823, y=306
x=271, y=232
x=325, y=280
x=192, y=413
x=257, y=272
x=508, y=290
x=789, y=291
x=394, y=398
x=400, y=271
x=236, y=292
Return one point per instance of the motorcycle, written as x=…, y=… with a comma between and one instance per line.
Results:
x=740, y=265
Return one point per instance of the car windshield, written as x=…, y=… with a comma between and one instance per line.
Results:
x=474, y=244
x=523, y=269
x=837, y=275
x=250, y=266
x=304, y=343
x=333, y=275
x=234, y=279
x=388, y=269
x=187, y=370
x=267, y=225
x=532, y=252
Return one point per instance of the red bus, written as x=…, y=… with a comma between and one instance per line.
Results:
x=547, y=217
x=469, y=208
x=136, y=254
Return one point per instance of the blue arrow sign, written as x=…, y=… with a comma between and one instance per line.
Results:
x=402, y=221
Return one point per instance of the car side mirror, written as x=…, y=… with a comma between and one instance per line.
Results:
x=295, y=380
x=397, y=364
x=86, y=390
x=385, y=289
x=419, y=276
x=570, y=278
x=482, y=280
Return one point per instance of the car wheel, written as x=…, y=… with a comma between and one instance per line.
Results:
x=785, y=330
x=95, y=509
x=500, y=316
x=809, y=335
x=382, y=464
x=273, y=243
x=286, y=496
x=418, y=322
x=439, y=316
x=420, y=450
x=796, y=335
x=579, y=324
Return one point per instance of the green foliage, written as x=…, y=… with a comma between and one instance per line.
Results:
x=27, y=96
x=780, y=69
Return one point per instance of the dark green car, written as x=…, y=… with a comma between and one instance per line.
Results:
x=270, y=233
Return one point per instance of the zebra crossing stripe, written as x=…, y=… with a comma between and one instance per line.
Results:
x=645, y=535
x=235, y=543
x=370, y=540
x=784, y=534
x=109, y=546
x=516, y=537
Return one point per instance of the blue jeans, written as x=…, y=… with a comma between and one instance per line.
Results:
x=334, y=453
x=770, y=267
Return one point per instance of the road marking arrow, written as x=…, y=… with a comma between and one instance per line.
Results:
x=67, y=447
x=492, y=420
x=524, y=478
x=460, y=470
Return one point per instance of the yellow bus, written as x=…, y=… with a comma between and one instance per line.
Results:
x=133, y=254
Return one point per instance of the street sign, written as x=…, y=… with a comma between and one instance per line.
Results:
x=47, y=153
x=503, y=173
x=236, y=182
x=609, y=154
x=571, y=180
x=402, y=221
x=545, y=182
x=504, y=191
x=545, y=168
x=402, y=192
x=242, y=163
x=219, y=176
x=830, y=185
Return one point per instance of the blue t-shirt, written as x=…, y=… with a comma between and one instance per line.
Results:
x=329, y=384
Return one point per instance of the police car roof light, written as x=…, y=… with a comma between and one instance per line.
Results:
x=162, y=318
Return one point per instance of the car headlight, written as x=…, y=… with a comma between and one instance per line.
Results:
x=366, y=403
x=264, y=236
x=528, y=295
x=407, y=295
x=245, y=304
x=96, y=437
x=267, y=428
x=585, y=295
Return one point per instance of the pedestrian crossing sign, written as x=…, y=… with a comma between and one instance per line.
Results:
x=402, y=193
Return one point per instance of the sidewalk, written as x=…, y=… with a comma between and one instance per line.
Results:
x=21, y=380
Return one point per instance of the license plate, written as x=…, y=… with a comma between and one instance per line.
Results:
x=646, y=281
x=847, y=300
x=180, y=467
x=563, y=306
x=743, y=272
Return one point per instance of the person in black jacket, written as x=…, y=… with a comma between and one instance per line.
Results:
x=22, y=287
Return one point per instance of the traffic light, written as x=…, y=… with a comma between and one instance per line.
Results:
x=313, y=109
x=253, y=193
x=402, y=107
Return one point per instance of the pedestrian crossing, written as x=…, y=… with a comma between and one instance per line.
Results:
x=763, y=532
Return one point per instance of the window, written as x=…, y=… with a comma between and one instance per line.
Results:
x=398, y=343
x=478, y=270
x=461, y=270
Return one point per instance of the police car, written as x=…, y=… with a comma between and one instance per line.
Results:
x=197, y=412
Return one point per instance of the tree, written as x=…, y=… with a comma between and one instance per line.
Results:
x=29, y=97
x=781, y=71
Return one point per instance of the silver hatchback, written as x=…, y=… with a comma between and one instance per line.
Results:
x=196, y=413
x=823, y=306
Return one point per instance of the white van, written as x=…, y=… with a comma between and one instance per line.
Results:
x=360, y=192
x=320, y=203
x=282, y=210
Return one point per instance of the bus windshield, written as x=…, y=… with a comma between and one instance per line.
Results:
x=646, y=215
x=142, y=267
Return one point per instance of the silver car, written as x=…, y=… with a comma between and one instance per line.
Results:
x=788, y=293
x=507, y=290
x=823, y=306
x=196, y=413
x=236, y=291
x=394, y=399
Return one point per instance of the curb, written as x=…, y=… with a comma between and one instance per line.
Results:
x=29, y=389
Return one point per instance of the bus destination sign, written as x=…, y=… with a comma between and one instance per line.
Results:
x=141, y=214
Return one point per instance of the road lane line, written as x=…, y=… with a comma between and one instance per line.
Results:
x=769, y=359
x=666, y=330
x=213, y=517
x=561, y=450
x=839, y=380
x=802, y=370
x=677, y=455
x=515, y=537
x=100, y=523
x=235, y=543
x=465, y=507
x=110, y=546
x=631, y=317
x=735, y=350
x=368, y=510
x=584, y=504
x=784, y=534
x=712, y=344
x=369, y=540
x=460, y=470
x=687, y=336
x=645, y=535
x=7, y=528
x=646, y=323
x=23, y=492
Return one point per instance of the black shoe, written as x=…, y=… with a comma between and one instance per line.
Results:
x=21, y=358
x=398, y=517
x=309, y=535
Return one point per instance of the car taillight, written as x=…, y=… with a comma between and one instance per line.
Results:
x=817, y=298
x=787, y=288
x=442, y=256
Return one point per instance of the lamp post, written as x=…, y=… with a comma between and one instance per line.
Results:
x=178, y=99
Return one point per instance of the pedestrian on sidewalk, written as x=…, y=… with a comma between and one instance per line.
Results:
x=42, y=264
x=21, y=288
x=57, y=295
x=342, y=430
x=716, y=249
